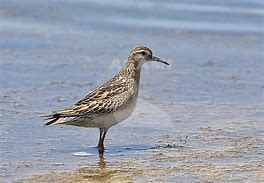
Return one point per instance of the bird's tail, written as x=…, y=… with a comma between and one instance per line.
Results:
x=60, y=117
x=52, y=118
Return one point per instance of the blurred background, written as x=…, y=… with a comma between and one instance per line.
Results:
x=53, y=52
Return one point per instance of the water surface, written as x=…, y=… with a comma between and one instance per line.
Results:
x=200, y=119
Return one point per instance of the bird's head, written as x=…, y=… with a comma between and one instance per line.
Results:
x=142, y=54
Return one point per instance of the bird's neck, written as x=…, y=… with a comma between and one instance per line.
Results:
x=133, y=69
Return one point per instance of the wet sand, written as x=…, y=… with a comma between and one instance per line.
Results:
x=236, y=161
x=198, y=120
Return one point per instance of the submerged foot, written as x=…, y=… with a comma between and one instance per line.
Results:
x=100, y=148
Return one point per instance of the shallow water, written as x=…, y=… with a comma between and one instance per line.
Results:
x=200, y=119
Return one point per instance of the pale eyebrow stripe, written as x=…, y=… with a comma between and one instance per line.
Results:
x=141, y=51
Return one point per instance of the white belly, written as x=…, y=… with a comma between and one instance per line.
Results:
x=108, y=120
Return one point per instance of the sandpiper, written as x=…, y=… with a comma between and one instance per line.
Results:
x=110, y=103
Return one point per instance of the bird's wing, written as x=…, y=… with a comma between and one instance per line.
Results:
x=105, y=99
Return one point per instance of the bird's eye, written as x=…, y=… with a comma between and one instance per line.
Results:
x=143, y=53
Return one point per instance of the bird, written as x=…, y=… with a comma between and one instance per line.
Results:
x=111, y=102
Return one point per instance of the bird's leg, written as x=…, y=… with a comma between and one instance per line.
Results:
x=100, y=137
x=105, y=131
x=100, y=145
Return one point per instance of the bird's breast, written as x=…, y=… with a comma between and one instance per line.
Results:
x=110, y=119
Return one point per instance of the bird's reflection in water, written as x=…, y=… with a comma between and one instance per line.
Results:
x=101, y=161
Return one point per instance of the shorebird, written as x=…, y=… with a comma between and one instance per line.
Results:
x=110, y=103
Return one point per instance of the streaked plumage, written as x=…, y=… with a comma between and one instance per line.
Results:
x=110, y=103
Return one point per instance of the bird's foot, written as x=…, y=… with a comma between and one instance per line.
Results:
x=100, y=148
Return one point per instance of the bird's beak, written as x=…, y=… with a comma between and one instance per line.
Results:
x=159, y=60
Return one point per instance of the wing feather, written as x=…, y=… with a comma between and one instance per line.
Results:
x=106, y=99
